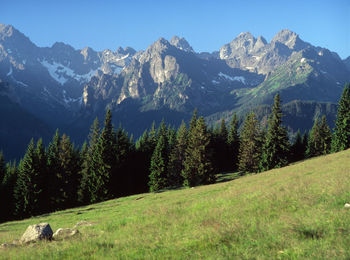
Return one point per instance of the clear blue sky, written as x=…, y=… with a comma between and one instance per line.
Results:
x=206, y=24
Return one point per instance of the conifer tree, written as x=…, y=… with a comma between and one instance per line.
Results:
x=105, y=161
x=341, y=137
x=42, y=177
x=319, y=142
x=198, y=165
x=250, y=148
x=233, y=142
x=2, y=167
x=89, y=165
x=276, y=144
x=298, y=149
x=54, y=171
x=69, y=178
x=121, y=180
x=159, y=162
x=177, y=157
x=326, y=136
x=7, y=192
x=26, y=190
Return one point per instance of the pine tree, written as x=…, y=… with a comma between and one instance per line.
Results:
x=177, y=157
x=7, y=192
x=298, y=149
x=250, y=148
x=341, y=137
x=2, y=167
x=159, y=162
x=42, y=177
x=105, y=161
x=69, y=178
x=276, y=145
x=233, y=142
x=326, y=136
x=122, y=177
x=198, y=165
x=89, y=165
x=319, y=142
x=54, y=172
x=26, y=190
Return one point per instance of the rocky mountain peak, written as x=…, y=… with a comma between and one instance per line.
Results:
x=125, y=51
x=290, y=39
x=61, y=46
x=181, y=43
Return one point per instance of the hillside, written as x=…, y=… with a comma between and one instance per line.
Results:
x=295, y=212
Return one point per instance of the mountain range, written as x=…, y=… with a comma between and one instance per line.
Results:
x=44, y=88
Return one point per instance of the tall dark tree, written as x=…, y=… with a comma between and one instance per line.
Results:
x=219, y=143
x=319, y=142
x=276, y=145
x=250, y=148
x=89, y=165
x=198, y=167
x=122, y=176
x=159, y=163
x=42, y=177
x=326, y=136
x=105, y=160
x=233, y=141
x=26, y=189
x=69, y=178
x=341, y=137
x=2, y=167
x=54, y=172
x=8, y=184
x=177, y=157
x=298, y=148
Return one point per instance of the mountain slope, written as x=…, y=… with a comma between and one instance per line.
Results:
x=294, y=212
x=18, y=126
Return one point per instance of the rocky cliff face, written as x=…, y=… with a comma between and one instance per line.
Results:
x=68, y=88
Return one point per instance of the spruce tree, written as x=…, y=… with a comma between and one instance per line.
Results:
x=159, y=163
x=2, y=167
x=42, y=177
x=319, y=142
x=326, y=136
x=298, y=149
x=198, y=167
x=250, y=148
x=341, y=137
x=122, y=177
x=26, y=190
x=104, y=160
x=69, y=178
x=89, y=165
x=276, y=145
x=7, y=195
x=177, y=157
x=54, y=172
x=233, y=142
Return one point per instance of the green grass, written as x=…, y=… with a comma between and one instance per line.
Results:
x=296, y=212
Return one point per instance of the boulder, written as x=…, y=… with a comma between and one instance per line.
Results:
x=63, y=233
x=347, y=205
x=37, y=232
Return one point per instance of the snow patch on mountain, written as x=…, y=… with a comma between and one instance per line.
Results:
x=10, y=72
x=58, y=72
x=236, y=78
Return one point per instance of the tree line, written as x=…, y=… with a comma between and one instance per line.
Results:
x=110, y=164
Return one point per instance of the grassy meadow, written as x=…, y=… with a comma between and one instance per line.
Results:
x=296, y=212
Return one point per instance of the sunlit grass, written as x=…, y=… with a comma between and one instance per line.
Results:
x=296, y=212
